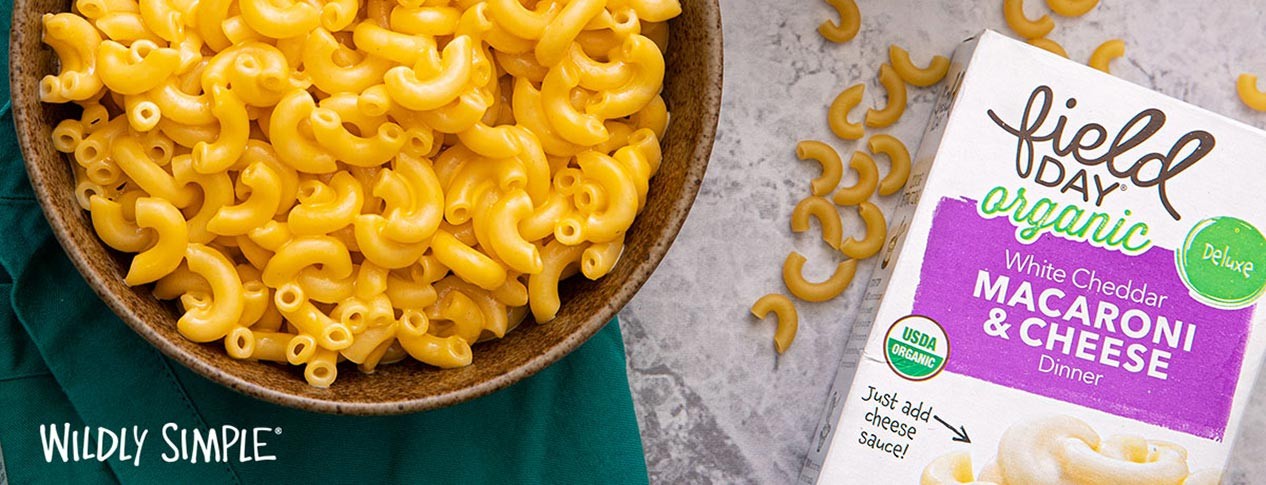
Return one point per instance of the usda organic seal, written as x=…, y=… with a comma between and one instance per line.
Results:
x=916, y=347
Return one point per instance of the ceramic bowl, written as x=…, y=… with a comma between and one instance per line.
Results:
x=693, y=94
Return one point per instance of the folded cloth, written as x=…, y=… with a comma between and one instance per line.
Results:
x=65, y=359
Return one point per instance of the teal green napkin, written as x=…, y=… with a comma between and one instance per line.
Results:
x=65, y=358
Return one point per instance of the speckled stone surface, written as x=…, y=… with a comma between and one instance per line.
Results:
x=714, y=403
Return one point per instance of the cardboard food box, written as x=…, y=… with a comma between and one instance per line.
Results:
x=1072, y=292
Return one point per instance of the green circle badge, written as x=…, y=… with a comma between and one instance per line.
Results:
x=916, y=347
x=1223, y=262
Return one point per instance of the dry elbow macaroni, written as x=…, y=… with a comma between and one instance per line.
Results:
x=896, y=88
x=837, y=114
x=850, y=22
x=867, y=180
x=828, y=218
x=788, y=319
x=1105, y=53
x=822, y=205
x=1013, y=12
x=876, y=233
x=793, y=277
x=832, y=166
x=916, y=76
x=317, y=182
x=1072, y=8
x=1250, y=95
x=1049, y=45
x=898, y=155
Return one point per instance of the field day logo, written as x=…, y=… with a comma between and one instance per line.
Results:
x=916, y=348
x=1064, y=164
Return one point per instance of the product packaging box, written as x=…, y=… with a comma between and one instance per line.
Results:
x=1072, y=295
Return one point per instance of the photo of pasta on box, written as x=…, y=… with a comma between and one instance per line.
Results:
x=367, y=182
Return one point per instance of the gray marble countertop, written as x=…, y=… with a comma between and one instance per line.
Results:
x=714, y=402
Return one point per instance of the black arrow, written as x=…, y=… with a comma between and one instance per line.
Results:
x=960, y=434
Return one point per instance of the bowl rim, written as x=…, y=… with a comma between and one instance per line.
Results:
x=26, y=102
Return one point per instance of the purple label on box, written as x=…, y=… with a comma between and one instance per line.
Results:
x=1080, y=324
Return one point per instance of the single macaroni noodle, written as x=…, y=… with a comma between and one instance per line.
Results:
x=876, y=233
x=788, y=319
x=898, y=155
x=1072, y=8
x=867, y=181
x=597, y=260
x=837, y=114
x=914, y=75
x=1013, y=13
x=828, y=158
x=896, y=88
x=828, y=219
x=793, y=278
x=848, y=26
x=542, y=287
x=1105, y=53
x=168, y=248
x=1250, y=95
x=1049, y=45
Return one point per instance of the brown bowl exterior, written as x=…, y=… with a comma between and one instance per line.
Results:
x=692, y=92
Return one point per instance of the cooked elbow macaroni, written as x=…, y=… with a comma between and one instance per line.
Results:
x=361, y=180
x=1065, y=450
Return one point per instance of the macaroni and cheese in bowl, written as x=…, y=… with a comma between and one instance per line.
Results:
x=349, y=206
